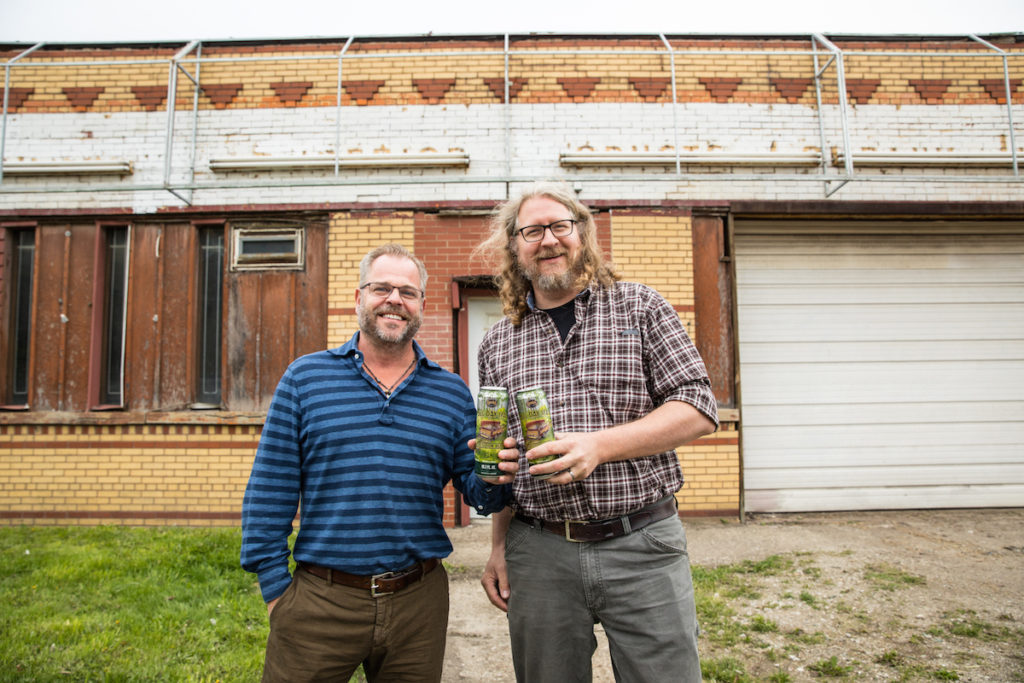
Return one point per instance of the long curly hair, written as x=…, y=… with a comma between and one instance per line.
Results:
x=499, y=247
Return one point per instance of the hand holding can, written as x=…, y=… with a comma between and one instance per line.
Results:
x=491, y=429
x=535, y=419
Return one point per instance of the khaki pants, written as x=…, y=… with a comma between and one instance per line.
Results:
x=323, y=632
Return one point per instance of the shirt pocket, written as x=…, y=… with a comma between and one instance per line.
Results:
x=616, y=378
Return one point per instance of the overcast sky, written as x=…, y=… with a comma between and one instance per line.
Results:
x=32, y=21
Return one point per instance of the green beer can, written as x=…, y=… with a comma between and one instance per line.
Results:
x=535, y=420
x=491, y=429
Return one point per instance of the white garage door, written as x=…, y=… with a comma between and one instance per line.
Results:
x=880, y=370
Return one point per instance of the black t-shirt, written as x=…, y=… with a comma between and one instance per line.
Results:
x=564, y=317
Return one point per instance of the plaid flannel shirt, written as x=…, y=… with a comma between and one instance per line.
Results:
x=627, y=354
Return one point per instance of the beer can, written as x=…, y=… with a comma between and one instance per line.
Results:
x=491, y=429
x=535, y=420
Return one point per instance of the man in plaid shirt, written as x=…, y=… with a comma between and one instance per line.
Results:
x=600, y=540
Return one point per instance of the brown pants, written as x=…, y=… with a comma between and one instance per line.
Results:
x=323, y=632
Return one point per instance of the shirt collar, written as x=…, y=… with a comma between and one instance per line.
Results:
x=350, y=349
x=531, y=302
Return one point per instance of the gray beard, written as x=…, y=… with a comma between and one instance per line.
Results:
x=560, y=282
x=368, y=326
x=554, y=283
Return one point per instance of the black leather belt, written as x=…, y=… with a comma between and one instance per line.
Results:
x=377, y=584
x=602, y=530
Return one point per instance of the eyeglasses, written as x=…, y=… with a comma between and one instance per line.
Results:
x=383, y=290
x=535, y=233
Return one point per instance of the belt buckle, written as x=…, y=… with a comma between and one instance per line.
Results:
x=568, y=535
x=373, y=585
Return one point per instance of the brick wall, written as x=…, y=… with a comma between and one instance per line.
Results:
x=351, y=236
x=733, y=96
x=655, y=246
x=472, y=72
x=125, y=473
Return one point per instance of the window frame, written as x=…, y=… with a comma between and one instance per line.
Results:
x=265, y=231
x=202, y=322
x=101, y=397
x=13, y=274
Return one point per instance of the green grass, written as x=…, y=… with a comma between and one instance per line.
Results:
x=831, y=668
x=889, y=578
x=127, y=604
x=172, y=604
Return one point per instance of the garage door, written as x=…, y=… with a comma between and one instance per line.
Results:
x=881, y=370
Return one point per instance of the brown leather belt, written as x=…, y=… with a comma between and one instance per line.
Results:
x=602, y=530
x=377, y=584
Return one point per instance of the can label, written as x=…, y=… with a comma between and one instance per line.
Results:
x=535, y=419
x=491, y=429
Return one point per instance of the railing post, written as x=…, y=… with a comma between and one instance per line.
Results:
x=7, y=89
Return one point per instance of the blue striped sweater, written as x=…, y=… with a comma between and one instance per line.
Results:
x=366, y=473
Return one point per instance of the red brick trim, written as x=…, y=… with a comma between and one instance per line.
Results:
x=861, y=89
x=362, y=91
x=291, y=92
x=433, y=90
x=931, y=90
x=118, y=514
x=578, y=88
x=727, y=512
x=791, y=88
x=222, y=94
x=981, y=210
x=82, y=98
x=996, y=88
x=497, y=86
x=650, y=88
x=16, y=97
x=150, y=96
x=721, y=89
x=720, y=441
x=85, y=445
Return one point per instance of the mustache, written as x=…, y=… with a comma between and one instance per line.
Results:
x=393, y=310
x=550, y=253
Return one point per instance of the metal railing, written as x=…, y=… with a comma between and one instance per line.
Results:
x=826, y=56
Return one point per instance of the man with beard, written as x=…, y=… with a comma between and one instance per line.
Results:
x=600, y=540
x=362, y=439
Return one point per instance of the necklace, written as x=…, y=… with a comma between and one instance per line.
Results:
x=384, y=387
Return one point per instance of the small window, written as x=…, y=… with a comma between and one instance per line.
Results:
x=115, y=302
x=23, y=257
x=210, y=305
x=267, y=247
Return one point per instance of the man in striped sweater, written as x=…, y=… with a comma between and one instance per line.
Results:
x=361, y=440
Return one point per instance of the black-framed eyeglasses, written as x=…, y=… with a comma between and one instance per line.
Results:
x=535, y=233
x=384, y=289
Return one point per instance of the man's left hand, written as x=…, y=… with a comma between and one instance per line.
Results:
x=509, y=464
x=579, y=454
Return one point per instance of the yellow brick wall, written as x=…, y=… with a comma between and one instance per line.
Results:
x=351, y=236
x=711, y=467
x=656, y=248
x=146, y=474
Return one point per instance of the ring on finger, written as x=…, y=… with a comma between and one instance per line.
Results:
x=572, y=474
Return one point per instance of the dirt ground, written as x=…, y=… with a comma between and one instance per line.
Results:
x=957, y=613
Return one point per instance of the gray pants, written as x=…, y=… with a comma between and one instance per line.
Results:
x=638, y=586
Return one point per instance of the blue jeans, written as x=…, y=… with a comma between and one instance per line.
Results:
x=638, y=586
